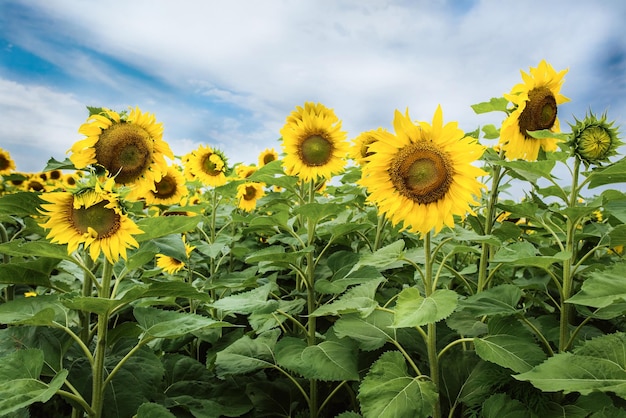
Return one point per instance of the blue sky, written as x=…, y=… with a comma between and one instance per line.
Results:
x=227, y=73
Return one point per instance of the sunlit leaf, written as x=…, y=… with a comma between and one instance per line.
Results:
x=358, y=299
x=170, y=324
x=389, y=391
x=494, y=104
x=614, y=173
x=414, y=310
x=247, y=302
x=156, y=227
x=370, y=333
x=602, y=288
x=517, y=354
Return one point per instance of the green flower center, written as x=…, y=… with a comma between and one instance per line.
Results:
x=539, y=113
x=166, y=187
x=594, y=143
x=210, y=167
x=104, y=221
x=315, y=150
x=421, y=172
x=125, y=150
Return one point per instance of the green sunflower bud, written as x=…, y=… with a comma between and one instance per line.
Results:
x=594, y=140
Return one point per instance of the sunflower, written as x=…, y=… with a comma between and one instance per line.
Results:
x=167, y=191
x=360, y=150
x=267, y=156
x=423, y=175
x=206, y=165
x=92, y=217
x=131, y=148
x=535, y=101
x=173, y=265
x=6, y=162
x=594, y=139
x=244, y=171
x=313, y=142
x=248, y=193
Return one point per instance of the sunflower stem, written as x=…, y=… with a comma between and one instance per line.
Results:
x=9, y=291
x=566, y=289
x=97, y=397
x=431, y=343
x=311, y=299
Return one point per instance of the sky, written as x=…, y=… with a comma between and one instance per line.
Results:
x=227, y=73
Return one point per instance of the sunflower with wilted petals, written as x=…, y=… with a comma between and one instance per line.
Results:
x=314, y=144
x=360, y=149
x=167, y=191
x=206, y=165
x=131, y=149
x=172, y=265
x=423, y=175
x=248, y=193
x=536, y=101
x=267, y=156
x=6, y=162
x=92, y=217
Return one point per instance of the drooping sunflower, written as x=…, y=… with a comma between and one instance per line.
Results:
x=594, y=139
x=267, y=156
x=131, y=148
x=423, y=175
x=92, y=217
x=7, y=164
x=206, y=165
x=536, y=101
x=173, y=265
x=167, y=191
x=248, y=194
x=314, y=144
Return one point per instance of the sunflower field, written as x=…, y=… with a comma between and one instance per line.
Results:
x=395, y=274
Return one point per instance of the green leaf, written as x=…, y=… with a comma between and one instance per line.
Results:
x=327, y=361
x=598, y=365
x=247, y=355
x=153, y=410
x=413, y=310
x=170, y=324
x=530, y=171
x=383, y=258
x=160, y=226
x=502, y=406
x=39, y=310
x=602, y=288
x=317, y=211
x=617, y=236
x=20, y=204
x=370, y=333
x=358, y=299
x=490, y=132
x=614, y=173
x=35, y=249
x=54, y=343
x=499, y=300
x=32, y=272
x=54, y=164
x=389, y=391
x=268, y=318
x=494, y=104
x=515, y=353
x=335, y=286
x=277, y=254
x=247, y=302
x=20, y=393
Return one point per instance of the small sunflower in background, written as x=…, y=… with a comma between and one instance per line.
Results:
x=130, y=148
x=314, y=144
x=595, y=140
x=248, y=194
x=7, y=165
x=244, y=171
x=91, y=216
x=536, y=102
x=173, y=265
x=170, y=190
x=267, y=156
x=206, y=165
x=423, y=174
x=360, y=149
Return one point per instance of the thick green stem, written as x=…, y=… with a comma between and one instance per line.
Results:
x=311, y=301
x=431, y=343
x=9, y=291
x=489, y=220
x=568, y=277
x=97, y=392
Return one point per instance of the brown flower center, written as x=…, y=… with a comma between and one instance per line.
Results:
x=209, y=167
x=250, y=193
x=268, y=158
x=5, y=163
x=315, y=150
x=166, y=187
x=104, y=221
x=421, y=172
x=125, y=150
x=539, y=113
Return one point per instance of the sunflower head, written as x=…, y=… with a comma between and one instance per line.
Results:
x=129, y=146
x=423, y=175
x=535, y=105
x=267, y=156
x=248, y=193
x=314, y=145
x=360, y=150
x=244, y=171
x=169, y=190
x=595, y=140
x=173, y=265
x=92, y=216
x=207, y=165
x=7, y=165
